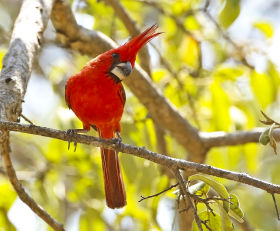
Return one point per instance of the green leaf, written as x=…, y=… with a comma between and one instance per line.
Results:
x=274, y=76
x=158, y=75
x=224, y=72
x=190, y=51
x=5, y=223
x=262, y=87
x=229, y=13
x=265, y=27
x=2, y=54
x=220, y=107
x=272, y=141
x=200, y=188
x=7, y=198
x=90, y=221
x=235, y=210
x=191, y=23
x=213, y=221
x=264, y=137
x=219, y=188
x=7, y=195
x=225, y=220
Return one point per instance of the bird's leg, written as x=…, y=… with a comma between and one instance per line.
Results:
x=71, y=132
x=118, y=135
x=117, y=138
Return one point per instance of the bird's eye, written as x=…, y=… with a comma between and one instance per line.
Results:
x=116, y=56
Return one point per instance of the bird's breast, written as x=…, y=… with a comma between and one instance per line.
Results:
x=95, y=99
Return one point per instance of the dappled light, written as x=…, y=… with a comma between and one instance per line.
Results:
x=198, y=146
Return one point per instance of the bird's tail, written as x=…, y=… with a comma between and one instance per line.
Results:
x=113, y=182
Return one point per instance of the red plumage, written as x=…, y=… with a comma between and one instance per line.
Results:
x=97, y=97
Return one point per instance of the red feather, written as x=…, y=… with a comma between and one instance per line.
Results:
x=98, y=100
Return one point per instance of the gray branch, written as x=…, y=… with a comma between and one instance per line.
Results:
x=17, y=66
x=142, y=152
x=219, y=139
x=17, y=63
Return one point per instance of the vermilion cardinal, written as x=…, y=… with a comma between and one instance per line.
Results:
x=97, y=97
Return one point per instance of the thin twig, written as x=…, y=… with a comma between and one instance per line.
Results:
x=161, y=10
x=205, y=224
x=186, y=193
x=276, y=207
x=159, y=193
x=26, y=119
x=228, y=39
x=5, y=152
x=185, y=209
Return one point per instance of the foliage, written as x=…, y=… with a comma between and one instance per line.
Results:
x=228, y=205
x=219, y=80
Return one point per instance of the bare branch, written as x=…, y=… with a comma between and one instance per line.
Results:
x=276, y=207
x=17, y=67
x=159, y=193
x=17, y=63
x=228, y=39
x=142, y=152
x=219, y=139
x=26, y=119
x=186, y=193
x=5, y=151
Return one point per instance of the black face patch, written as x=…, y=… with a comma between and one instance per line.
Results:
x=116, y=60
x=116, y=56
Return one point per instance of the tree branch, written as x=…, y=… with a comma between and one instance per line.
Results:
x=17, y=67
x=142, y=152
x=159, y=193
x=17, y=63
x=5, y=150
x=219, y=139
x=186, y=194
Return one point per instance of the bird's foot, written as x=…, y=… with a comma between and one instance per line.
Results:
x=119, y=136
x=118, y=139
x=70, y=133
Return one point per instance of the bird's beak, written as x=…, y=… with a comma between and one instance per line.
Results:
x=122, y=70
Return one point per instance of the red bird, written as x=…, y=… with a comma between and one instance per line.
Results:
x=97, y=97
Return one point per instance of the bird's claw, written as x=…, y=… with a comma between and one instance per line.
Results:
x=119, y=136
x=118, y=139
x=71, y=132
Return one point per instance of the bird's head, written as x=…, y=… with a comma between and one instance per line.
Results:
x=122, y=59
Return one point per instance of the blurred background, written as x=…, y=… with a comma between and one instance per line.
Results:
x=217, y=62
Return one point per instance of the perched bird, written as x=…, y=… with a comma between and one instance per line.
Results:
x=97, y=97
